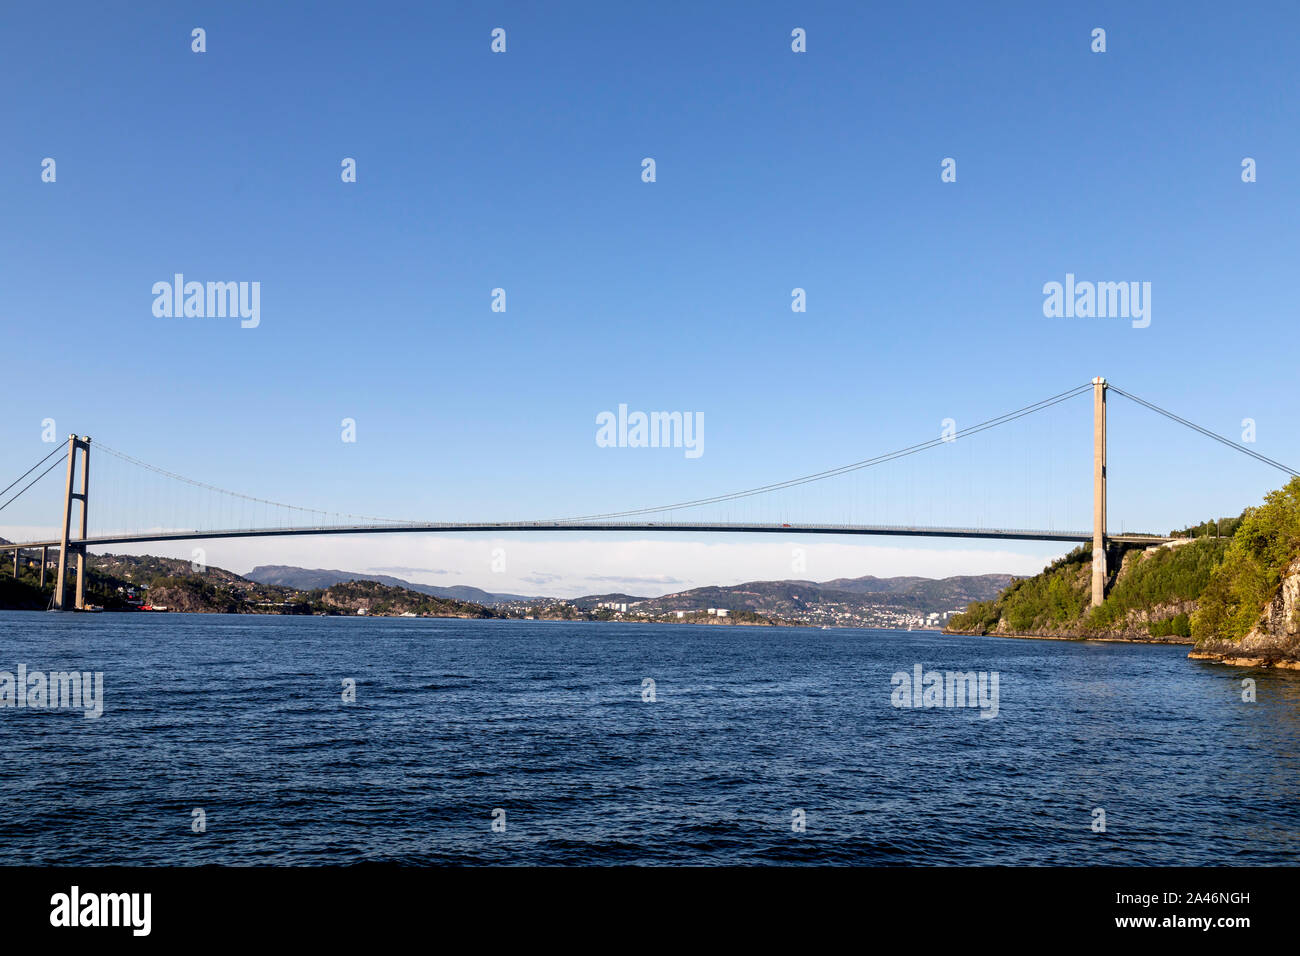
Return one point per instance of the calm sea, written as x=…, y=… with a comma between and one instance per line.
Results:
x=751, y=732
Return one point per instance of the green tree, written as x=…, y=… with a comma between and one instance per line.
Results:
x=1266, y=543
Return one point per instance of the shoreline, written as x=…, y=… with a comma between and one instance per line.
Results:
x=1212, y=657
x=1229, y=659
x=706, y=621
x=1238, y=661
x=1078, y=638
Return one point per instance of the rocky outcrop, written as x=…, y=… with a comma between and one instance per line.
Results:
x=1274, y=641
x=193, y=597
x=369, y=597
x=1134, y=630
x=1281, y=618
x=1137, y=623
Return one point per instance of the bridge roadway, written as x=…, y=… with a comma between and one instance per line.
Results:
x=446, y=527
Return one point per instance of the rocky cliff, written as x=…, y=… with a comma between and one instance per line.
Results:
x=1274, y=641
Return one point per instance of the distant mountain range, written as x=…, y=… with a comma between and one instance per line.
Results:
x=897, y=602
x=779, y=598
x=309, y=579
x=853, y=595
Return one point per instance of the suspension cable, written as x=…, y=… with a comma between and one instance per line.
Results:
x=57, y=449
x=235, y=494
x=53, y=465
x=1206, y=432
x=844, y=469
x=715, y=499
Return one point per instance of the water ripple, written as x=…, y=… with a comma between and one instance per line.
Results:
x=763, y=746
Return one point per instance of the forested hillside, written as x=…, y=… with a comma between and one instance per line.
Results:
x=1235, y=597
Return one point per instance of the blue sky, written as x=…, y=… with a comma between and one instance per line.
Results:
x=775, y=170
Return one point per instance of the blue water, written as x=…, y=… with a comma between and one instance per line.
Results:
x=242, y=716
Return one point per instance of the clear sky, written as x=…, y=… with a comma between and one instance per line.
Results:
x=775, y=170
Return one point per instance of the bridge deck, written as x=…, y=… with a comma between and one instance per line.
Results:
x=445, y=527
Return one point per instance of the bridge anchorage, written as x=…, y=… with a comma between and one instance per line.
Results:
x=73, y=547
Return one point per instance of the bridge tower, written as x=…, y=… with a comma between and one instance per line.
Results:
x=60, y=584
x=1098, y=491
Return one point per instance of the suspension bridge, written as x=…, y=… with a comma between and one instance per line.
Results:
x=71, y=547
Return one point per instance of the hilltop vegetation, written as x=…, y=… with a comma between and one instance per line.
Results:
x=1159, y=588
x=1151, y=596
x=1229, y=595
x=351, y=597
x=25, y=592
x=176, y=585
x=21, y=594
x=1217, y=528
x=1252, y=600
